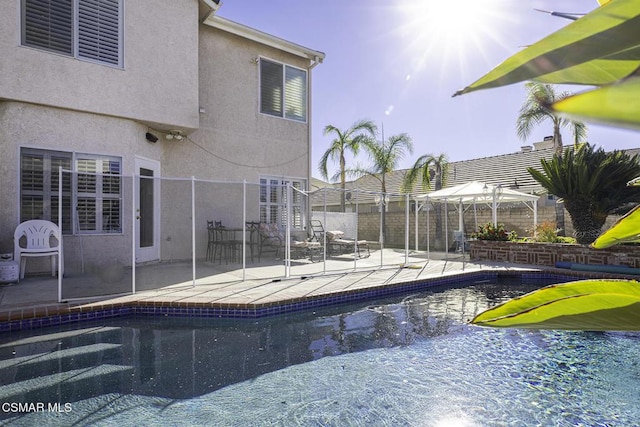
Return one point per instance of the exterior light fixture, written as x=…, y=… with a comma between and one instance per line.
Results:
x=175, y=134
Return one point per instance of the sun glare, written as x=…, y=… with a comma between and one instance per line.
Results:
x=449, y=17
x=449, y=30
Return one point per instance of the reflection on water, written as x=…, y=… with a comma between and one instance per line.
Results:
x=181, y=358
x=405, y=361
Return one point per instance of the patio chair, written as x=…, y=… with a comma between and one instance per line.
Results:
x=38, y=238
x=211, y=241
x=253, y=240
x=218, y=243
x=270, y=238
x=461, y=244
x=336, y=244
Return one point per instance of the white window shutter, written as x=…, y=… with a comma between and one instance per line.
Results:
x=295, y=94
x=48, y=24
x=99, y=30
x=271, y=89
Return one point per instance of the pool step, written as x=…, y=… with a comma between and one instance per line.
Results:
x=67, y=386
x=70, y=352
x=31, y=366
x=64, y=366
x=86, y=333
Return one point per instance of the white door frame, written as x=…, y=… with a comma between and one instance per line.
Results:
x=150, y=250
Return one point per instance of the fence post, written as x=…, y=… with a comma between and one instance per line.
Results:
x=133, y=233
x=193, y=231
x=446, y=230
x=287, y=236
x=381, y=237
x=324, y=235
x=244, y=229
x=426, y=204
x=60, y=243
x=406, y=231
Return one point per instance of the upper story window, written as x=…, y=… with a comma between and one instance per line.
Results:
x=283, y=90
x=84, y=29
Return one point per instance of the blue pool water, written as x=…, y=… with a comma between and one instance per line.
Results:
x=410, y=361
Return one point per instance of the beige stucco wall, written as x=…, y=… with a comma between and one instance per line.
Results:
x=33, y=126
x=235, y=141
x=158, y=83
x=173, y=65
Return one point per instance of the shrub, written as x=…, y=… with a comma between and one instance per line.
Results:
x=490, y=232
x=546, y=232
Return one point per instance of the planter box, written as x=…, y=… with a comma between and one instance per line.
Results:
x=547, y=254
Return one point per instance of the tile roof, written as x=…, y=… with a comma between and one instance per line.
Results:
x=505, y=169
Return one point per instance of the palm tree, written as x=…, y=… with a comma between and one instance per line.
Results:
x=386, y=156
x=592, y=184
x=534, y=110
x=427, y=168
x=345, y=140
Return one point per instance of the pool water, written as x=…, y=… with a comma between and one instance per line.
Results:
x=410, y=361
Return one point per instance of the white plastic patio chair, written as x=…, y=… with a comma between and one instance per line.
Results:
x=38, y=238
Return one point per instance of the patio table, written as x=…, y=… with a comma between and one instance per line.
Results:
x=231, y=239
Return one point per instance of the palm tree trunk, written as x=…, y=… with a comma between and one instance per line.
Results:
x=587, y=227
x=343, y=179
x=439, y=242
x=557, y=137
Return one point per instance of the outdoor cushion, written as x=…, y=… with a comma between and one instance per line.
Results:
x=334, y=234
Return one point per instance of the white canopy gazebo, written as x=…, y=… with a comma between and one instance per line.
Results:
x=475, y=192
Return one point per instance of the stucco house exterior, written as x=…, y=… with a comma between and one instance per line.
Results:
x=151, y=88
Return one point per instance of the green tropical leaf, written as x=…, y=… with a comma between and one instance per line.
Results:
x=593, y=305
x=580, y=53
x=625, y=230
x=617, y=105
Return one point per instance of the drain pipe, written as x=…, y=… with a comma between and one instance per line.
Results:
x=315, y=61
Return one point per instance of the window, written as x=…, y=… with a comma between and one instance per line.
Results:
x=91, y=199
x=39, y=178
x=98, y=194
x=283, y=91
x=85, y=29
x=273, y=202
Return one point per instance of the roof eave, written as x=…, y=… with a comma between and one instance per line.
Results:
x=232, y=27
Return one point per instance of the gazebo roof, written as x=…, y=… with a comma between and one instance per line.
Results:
x=478, y=192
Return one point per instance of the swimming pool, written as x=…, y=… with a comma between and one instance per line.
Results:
x=411, y=360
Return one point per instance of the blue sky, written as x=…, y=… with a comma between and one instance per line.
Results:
x=397, y=62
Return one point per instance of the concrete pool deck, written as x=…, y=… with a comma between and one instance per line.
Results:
x=36, y=297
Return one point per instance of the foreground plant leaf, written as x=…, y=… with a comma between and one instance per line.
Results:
x=624, y=230
x=600, y=48
x=617, y=104
x=592, y=305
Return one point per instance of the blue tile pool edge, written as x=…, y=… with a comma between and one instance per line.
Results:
x=283, y=307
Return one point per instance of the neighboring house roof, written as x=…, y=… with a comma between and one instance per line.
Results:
x=508, y=170
x=317, y=183
x=215, y=21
